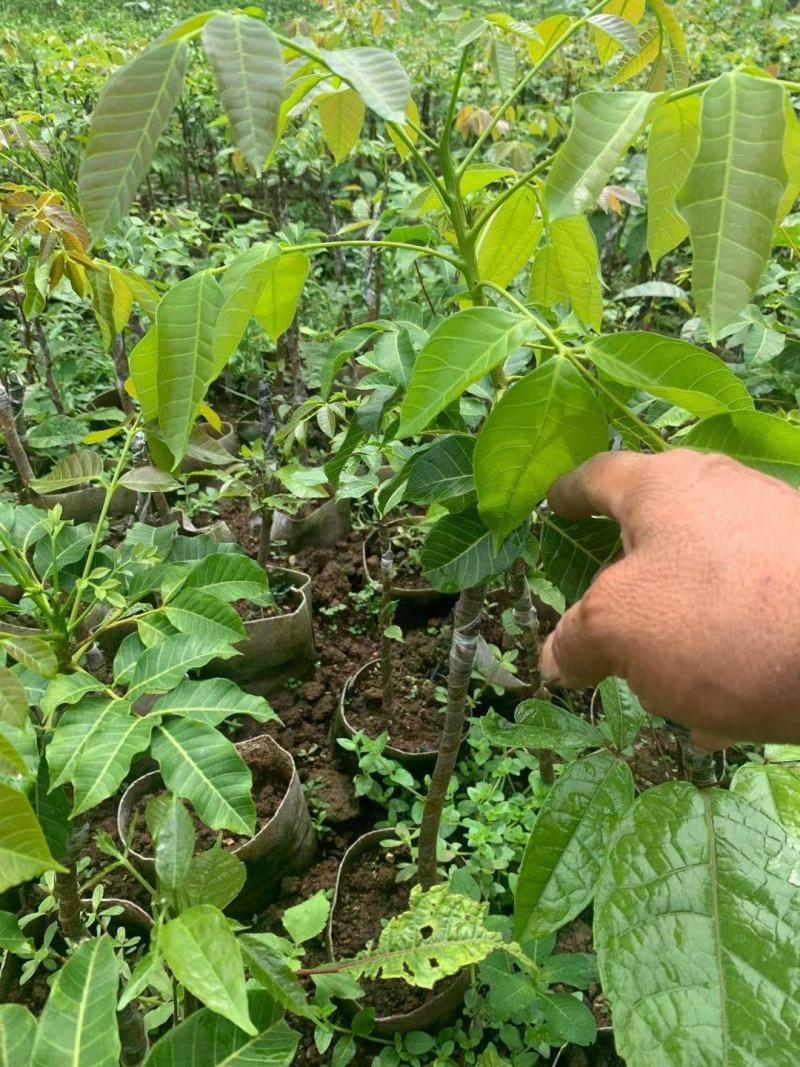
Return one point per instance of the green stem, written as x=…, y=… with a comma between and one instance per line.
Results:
x=321, y=245
x=648, y=434
x=80, y=585
x=520, y=86
x=451, y=107
x=418, y=156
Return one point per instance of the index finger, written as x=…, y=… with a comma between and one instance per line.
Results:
x=598, y=487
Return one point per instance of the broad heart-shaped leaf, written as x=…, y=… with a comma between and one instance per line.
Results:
x=79, y=1021
x=212, y=701
x=203, y=954
x=194, y=611
x=459, y=552
x=766, y=442
x=545, y=425
x=566, y=270
x=205, y=1039
x=442, y=471
x=731, y=196
x=162, y=666
x=228, y=576
x=694, y=926
x=674, y=370
x=341, y=116
x=509, y=238
x=573, y=552
x=79, y=468
x=460, y=350
x=13, y=701
x=603, y=125
x=539, y=724
x=17, y=1034
x=248, y=68
x=215, y=877
x=624, y=714
x=440, y=933
x=377, y=77
x=185, y=322
x=282, y=281
x=93, y=746
x=129, y=117
x=32, y=652
x=561, y=863
x=774, y=788
x=671, y=148
x=23, y=850
x=172, y=833
x=198, y=763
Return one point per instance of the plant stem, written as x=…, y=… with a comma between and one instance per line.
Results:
x=132, y=1035
x=526, y=619
x=520, y=86
x=70, y=913
x=365, y=243
x=385, y=618
x=466, y=627
x=8, y=427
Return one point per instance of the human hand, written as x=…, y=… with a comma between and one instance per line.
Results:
x=701, y=615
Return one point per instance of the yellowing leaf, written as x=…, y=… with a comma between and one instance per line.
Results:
x=412, y=112
x=342, y=117
x=549, y=30
x=631, y=10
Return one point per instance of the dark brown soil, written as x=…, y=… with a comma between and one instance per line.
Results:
x=407, y=574
x=369, y=894
x=419, y=665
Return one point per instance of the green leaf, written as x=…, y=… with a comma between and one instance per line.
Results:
x=377, y=77
x=185, y=323
x=671, y=148
x=215, y=877
x=131, y=112
x=203, y=954
x=460, y=350
x=32, y=652
x=172, y=833
x=13, y=701
x=440, y=933
x=12, y=762
x=307, y=919
x=619, y=29
x=17, y=1034
x=561, y=863
x=198, y=763
x=23, y=850
x=694, y=911
x=52, y=811
x=766, y=442
x=228, y=576
x=149, y=479
x=441, y=472
x=93, y=746
x=773, y=788
x=268, y=963
x=539, y=724
x=194, y=611
x=282, y=282
x=568, y=1017
x=79, y=468
x=67, y=689
x=79, y=1021
x=673, y=370
x=242, y=284
x=58, y=431
x=212, y=701
x=143, y=366
x=509, y=239
x=791, y=160
x=544, y=426
x=161, y=667
x=573, y=552
x=341, y=116
x=566, y=270
x=603, y=126
x=248, y=68
x=205, y=1039
x=731, y=196
x=624, y=714
x=459, y=552
x=12, y=938
x=578, y=969
x=649, y=50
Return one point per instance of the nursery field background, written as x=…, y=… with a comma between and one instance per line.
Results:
x=302, y=310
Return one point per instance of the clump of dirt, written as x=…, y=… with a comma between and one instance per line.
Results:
x=419, y=666
x=285, y=594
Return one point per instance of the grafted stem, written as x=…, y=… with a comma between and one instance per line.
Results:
x=133, y=1040
x=385, y=617
x=466, y=627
